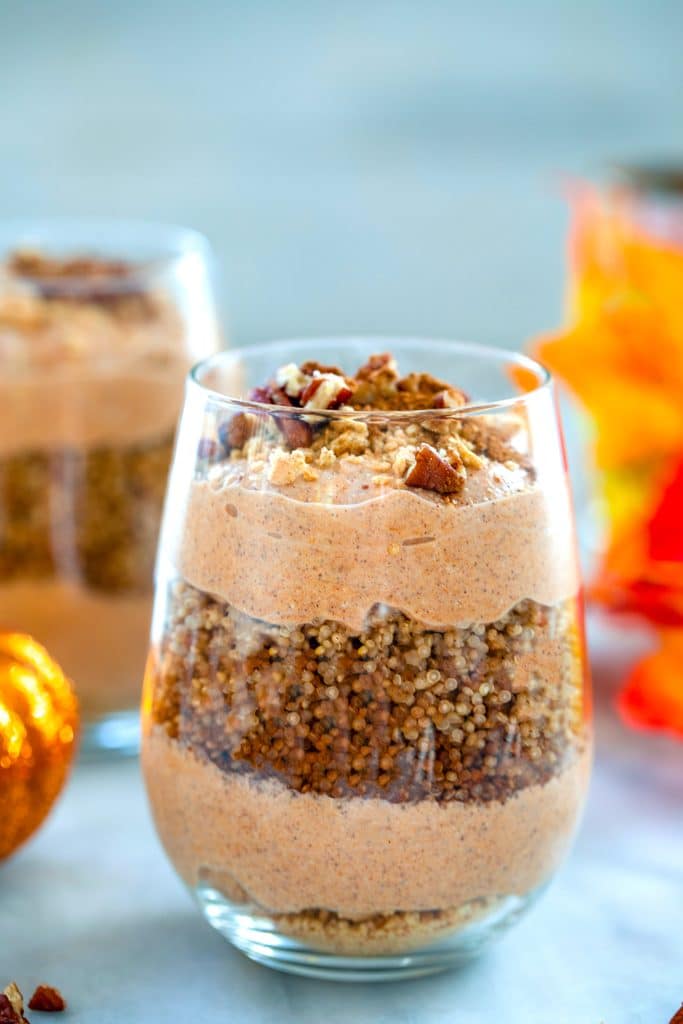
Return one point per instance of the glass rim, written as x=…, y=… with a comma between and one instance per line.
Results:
x=84, y=237
x=383, y=342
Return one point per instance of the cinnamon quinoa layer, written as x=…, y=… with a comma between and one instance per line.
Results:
x=90, y=515
x=398, y=711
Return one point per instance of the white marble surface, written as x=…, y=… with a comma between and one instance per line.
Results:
x=92, y=906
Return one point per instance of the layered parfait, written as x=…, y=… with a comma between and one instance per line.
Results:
x=365, y=717
x=93, y=364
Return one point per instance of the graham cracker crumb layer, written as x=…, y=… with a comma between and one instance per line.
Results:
x=381, y=934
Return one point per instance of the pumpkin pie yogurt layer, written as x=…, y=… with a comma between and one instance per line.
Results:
x=364, y=711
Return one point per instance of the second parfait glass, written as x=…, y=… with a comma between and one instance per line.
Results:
x=366, y=738
x=99, y=323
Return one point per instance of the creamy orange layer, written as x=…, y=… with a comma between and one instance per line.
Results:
x=329, y=550
x=78, y=375
x=286, y=852
x=89, y=408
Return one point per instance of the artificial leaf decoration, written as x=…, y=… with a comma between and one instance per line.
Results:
x=622, y=356
x=653, y=695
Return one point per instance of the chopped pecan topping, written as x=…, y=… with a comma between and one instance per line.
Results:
x=326, y=391
x=207, y=449
x=382, y=364
x=292, y=379
x=278, y=396
x=34, y=266
x=422, y=391
x=7, y=1013
x=310, y=367
x=47, y=999
x=237, y=431
x=375, y=383
x=379, y=387
x=12, y=1005
x=310, y=390
x=432, y=452
x=296, y=432
x=296, y=389
x=449, y=398
x=82, y=278
x=262, y=395
x=431, y=472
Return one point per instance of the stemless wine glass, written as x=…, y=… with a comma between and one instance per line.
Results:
x=366, y=733
x=99, y=324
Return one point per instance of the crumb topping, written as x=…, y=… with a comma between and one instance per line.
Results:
x=425, y=452
x=79, y=279
x=56, y=309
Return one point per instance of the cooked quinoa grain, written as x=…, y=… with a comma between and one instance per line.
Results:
x=398, y=711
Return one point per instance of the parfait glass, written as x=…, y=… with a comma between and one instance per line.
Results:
x=99, y=324
x=366, y=728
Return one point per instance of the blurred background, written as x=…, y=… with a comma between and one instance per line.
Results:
x=360, y=166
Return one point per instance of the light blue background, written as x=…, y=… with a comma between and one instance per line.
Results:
x=375, y=165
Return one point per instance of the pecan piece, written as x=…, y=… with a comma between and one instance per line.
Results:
x=292, y=379
x=310, y=390
x=431, y=472
x=375, y=384
x=677, y=1017
x=297, y=433
x=327, y=391
x=208, y=449
x=262, y=395
x=310, y=367
x=237, y=431
x=449, y=398
x=341, y=398
x=12, y=1005
x=47, y=999
x=278, y=396
x=7, y=1012
x=422, y=391
x=382, y=364
x=80, y=279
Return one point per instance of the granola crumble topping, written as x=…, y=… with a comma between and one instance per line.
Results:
x=432, y=453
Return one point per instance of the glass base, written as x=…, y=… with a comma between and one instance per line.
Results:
x=259, y=938
x=113, y=735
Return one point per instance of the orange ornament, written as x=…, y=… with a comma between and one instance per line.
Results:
x=38, y=726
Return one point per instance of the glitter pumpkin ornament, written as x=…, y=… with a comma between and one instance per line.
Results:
x=38, y=728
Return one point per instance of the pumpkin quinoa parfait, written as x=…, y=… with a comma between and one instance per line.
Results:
x=365, y=723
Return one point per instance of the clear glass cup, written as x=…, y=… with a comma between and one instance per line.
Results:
x=366, y=735
x=99, y=324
